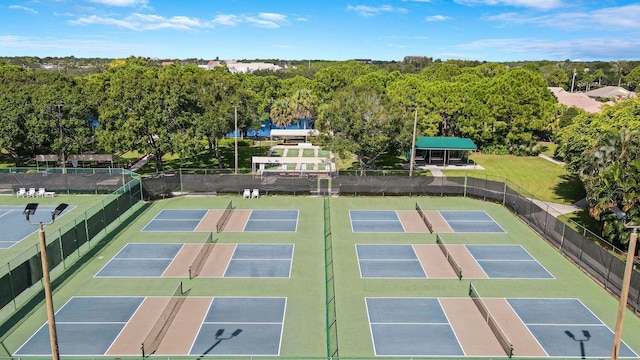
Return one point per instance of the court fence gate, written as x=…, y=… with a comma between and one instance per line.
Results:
x=594, y=255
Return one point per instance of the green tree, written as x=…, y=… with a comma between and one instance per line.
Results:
x=558, y=78
x=357, y=122
x=611, y=176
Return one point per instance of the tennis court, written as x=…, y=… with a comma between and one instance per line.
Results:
x=218, y=220
x=427, y=261
x=455, y=327
x=223, y=260
x=15, y=227
x=116, y=326
x=372, y=293
x=387, y=221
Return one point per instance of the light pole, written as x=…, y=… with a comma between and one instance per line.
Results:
x=626, y=280
x=413, y=141
x=29, y=210
x=235, y=135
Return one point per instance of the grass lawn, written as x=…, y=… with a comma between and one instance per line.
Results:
x=543, y=179
x=548, y=148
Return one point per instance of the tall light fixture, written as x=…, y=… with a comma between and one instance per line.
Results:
x=29, y=210
x=413, y=141
x=626, y=281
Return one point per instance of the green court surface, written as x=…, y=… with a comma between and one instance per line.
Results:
x=304, y=333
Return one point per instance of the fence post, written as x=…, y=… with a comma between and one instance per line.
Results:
x=13, y=293
x=504, y=192
x=180, y=173
x=464, y=188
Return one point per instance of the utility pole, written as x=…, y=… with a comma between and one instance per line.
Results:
x=413, y=141
x=626, y=281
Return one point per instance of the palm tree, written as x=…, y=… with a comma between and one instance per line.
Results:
x=281, y=113
x=611, y=176
x=304, y=105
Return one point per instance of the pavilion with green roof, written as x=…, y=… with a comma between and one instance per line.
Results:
x=443, y=151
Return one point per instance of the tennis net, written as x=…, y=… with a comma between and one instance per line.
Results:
x=504, y=341
x=424, y=218
x=203, y=255
x=226, y=214
x=447, y=254
x=159, y=330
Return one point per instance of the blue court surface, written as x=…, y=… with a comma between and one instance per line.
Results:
x=420, y=327
x=176, y=220
x=472, y=221
x=261, y=260
x=85, y=326
x=233, y=326
x=401, y=261
x=411, y=327
x=247, y=261
x=15, y=226
x=567, y=328
x=258, y=323
x=140, y=260
x=389, y=261
x=384, y=221
x=508, y=262
x=272, y=220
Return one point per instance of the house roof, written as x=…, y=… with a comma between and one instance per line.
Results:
x=579, y=100
x=615, y=92
x=445, y=143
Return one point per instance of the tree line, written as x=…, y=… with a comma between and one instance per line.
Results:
x=361, y=110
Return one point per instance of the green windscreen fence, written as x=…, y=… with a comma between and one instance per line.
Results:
x=17, y=276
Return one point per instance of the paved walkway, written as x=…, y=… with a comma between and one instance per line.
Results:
x=551, y=159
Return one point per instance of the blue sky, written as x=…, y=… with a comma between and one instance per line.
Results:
x=487, y=30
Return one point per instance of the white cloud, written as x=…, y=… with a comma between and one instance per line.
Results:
x=71, y=46
x=23, y=8
x=588, y=49
x=367, y=11
x=436, y=18
x=225, y=19
x=263, y=20
x=537, y=4
x=610, y=19
x=121, y=2
x=140, y=22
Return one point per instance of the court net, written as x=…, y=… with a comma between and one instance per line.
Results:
x=159, y=330
x=447, y=254
x=203, y=255
x=226, y=214
x=504, y=341
x=424, y=218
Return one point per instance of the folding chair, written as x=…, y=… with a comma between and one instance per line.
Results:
x=246, y=194
x=255, y=194
x=22, y=192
